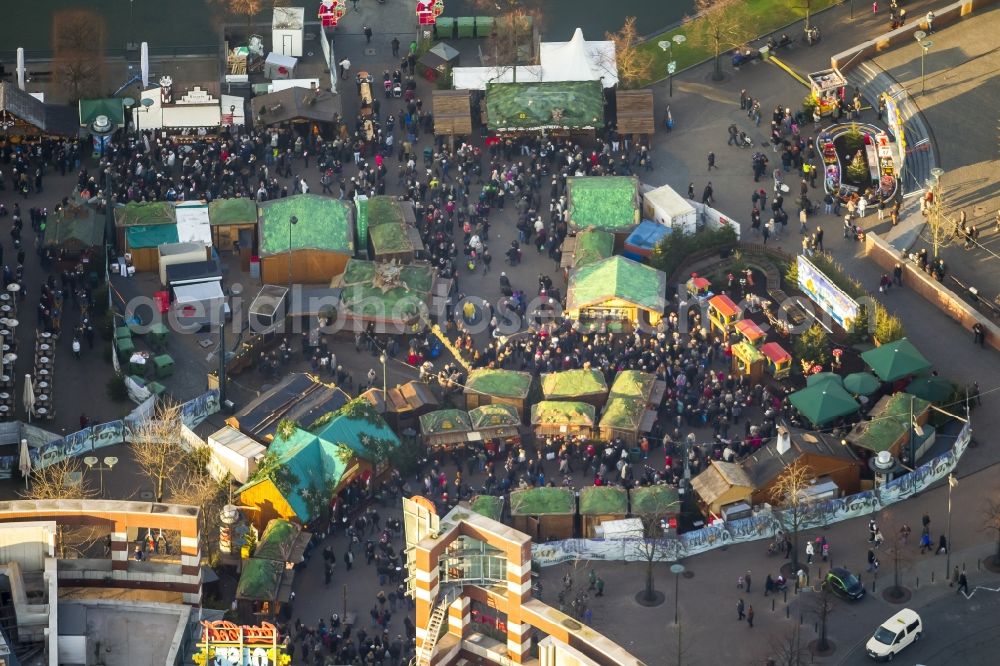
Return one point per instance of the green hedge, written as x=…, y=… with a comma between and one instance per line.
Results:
x=671, y=252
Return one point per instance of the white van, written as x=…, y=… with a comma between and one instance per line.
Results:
x=895, y=634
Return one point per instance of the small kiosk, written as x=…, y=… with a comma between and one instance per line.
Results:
x=599, y=504
x=826, y=87
x=723, y=314
x=544, y=513
x=699, y=288
x=747, y=358
x=779, y=361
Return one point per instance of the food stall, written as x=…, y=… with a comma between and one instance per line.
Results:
x=748, y=361
x=723, y=314
x=445, y=428
x=779, y=361
x=497, y=426
x=550, y=418
x=544, y=513
x=826, y=87
x=599, y=504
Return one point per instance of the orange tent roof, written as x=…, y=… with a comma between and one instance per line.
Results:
x=775, y=352
x=750, y=330
x=724, y=304
x=699, y=283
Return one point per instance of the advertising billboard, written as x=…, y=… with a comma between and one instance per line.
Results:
x=831, y=298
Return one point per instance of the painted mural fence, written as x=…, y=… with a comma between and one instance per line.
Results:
x=763, y=525
x=48, y=449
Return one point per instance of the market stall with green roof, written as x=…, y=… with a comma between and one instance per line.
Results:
x=631, y=408
x=601, y=503
x=582, y=384
x=490, y=506
x=605, y=203
x=321, y=239
x=586, y=247
x=445, y=428
x=550, y=418
x=266, y=579
x=573, y=106
x=616, y=293
x=543, y=513
x=393, y=295
x=638, y=384
x=658, y=502
x=486, y=386
x=495, y=424
x=74, y=229
x=390, y=226
x=142, y=227
x=234, y=221
x=889, y=428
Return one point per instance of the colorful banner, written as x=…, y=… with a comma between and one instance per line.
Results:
x=821, y=289
x=763, y=525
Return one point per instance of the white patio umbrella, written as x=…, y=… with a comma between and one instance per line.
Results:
x=24, y=461
x=29, y=396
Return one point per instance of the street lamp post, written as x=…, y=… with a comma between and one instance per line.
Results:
x=676, y=569
x=292, y=221
x=109, y=463
x=952, y=482
x=925, y=45
x=382, y=357
x=668, y=46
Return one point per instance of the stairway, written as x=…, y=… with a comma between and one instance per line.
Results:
x=438, y=617
x=872, y=80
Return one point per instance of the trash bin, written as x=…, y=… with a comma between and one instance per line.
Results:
x=125, y=346
x=484, y=26
x=123, y=332
x=444, y=28
x=158, y=336
x=466, y=27
x=164, y=365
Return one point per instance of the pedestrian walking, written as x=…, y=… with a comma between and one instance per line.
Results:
x=810, y=551
x=979, y=335
x=942, y=545
x=963, y=584
x=750, y=615
x=740, y=608
x=349, y=560
x=746, y=579
x=925, y=541
x=395, y=47
x=600, y=587
x=368, y=34
x=345, y=67
x=954, y=577
x=592, y=577
x=691, y=196
x=711, y=161
x=930, y=23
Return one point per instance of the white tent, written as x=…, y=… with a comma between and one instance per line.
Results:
x=665, y=206
x=192, y=223
x=476, y=78
x=579, y=60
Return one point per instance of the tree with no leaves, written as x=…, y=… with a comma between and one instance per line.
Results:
x=721, y=25
x=156, y=447
x=787, y=493
x=788, y=650
x=78, y=40
x=59, y=481
x=650, y=548
x=194, y=486
x=634, y=66
x=991, y=522
x=941, y=230
x=823, y=606
x=896, y=551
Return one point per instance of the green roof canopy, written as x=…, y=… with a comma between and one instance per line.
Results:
x=445, y=420
x=541, y=501
x=623, y=413
x=75, y=227
x=654, y=500
x=260, y=580
x=934, y=389
x=617, y=278
x=823, y=402
x=222, y=212
x=889, y=424
x=895, y=360
x=358, y=426
x=602, y=500
x=633, y=384
x=499, y=383
x=496, y=415
x=487, y=505
x=361, y=297
x=572, y=383
x=390, y=238
x=112, y=107
x=608, y=203
x=592, y=246
x=145, y=214
x=324, y=224
x=552, y=412
x=153, y=236
x=823, y=378
x=861, y=383
x=277, y=540
x=545, y=105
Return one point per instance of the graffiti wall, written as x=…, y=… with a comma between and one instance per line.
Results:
x=763, y=525
x=47, y=449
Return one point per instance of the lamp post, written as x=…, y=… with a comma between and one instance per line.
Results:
x=925, y=45
x=382, y=357
x=292, y=221
x=676, y=569
x=668, y=46
x=109, y=463
x=952, y=482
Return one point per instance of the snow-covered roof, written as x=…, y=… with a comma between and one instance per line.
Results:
x=575, y=60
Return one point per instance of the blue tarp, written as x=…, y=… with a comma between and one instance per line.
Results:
x=645, y=237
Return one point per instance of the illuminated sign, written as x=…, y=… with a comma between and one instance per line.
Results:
x=226, y=644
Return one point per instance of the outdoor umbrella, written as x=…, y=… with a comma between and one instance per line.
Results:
x=823, y=403
x=824, y=377
x=29, y=396
x=895, y=360
x=932, y=389
x=861, y=383
x=24, y=461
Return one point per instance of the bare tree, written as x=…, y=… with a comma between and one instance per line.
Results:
x=635, y=67
x=941, y=230
x=720, y=25
x=991, y=522
x=896, y=551
x=788, y=494
x=650, y=548
x=194, y=486
x=78, y=43
x=823, y=606
x=788, y=650
x=511, y=40
x=156, y=447
x=66, y=480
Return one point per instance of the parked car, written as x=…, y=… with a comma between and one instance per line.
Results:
x=895, y=634
x=844, y=584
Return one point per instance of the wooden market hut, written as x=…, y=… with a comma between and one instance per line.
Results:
x=631, y=408
x=452, y=113
x=616, y=292
x=723, y=314
x=322, y=240
x=486, y=386
x=777, y=359
x=638, y=384
x=634, y=113
x=605, y=203
x=142, y=228
x=298, y=397
x=266, y=579
x=406, y=403
x=583, y=385
x=392, y=296
x=307, y=111
x=391, y=234
x=445, y=429
x=659, y=502
x=550, y=418
x=358, y=426
x=74, y=229
x=545, y=513
x=490, y=506
x=558, y=107
x=836, y=468
x=720, y=485
x=888, y=427
x=232, y=222
x=584, y=248
x=496, y=423
x=24, y=117
x=601, y=503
